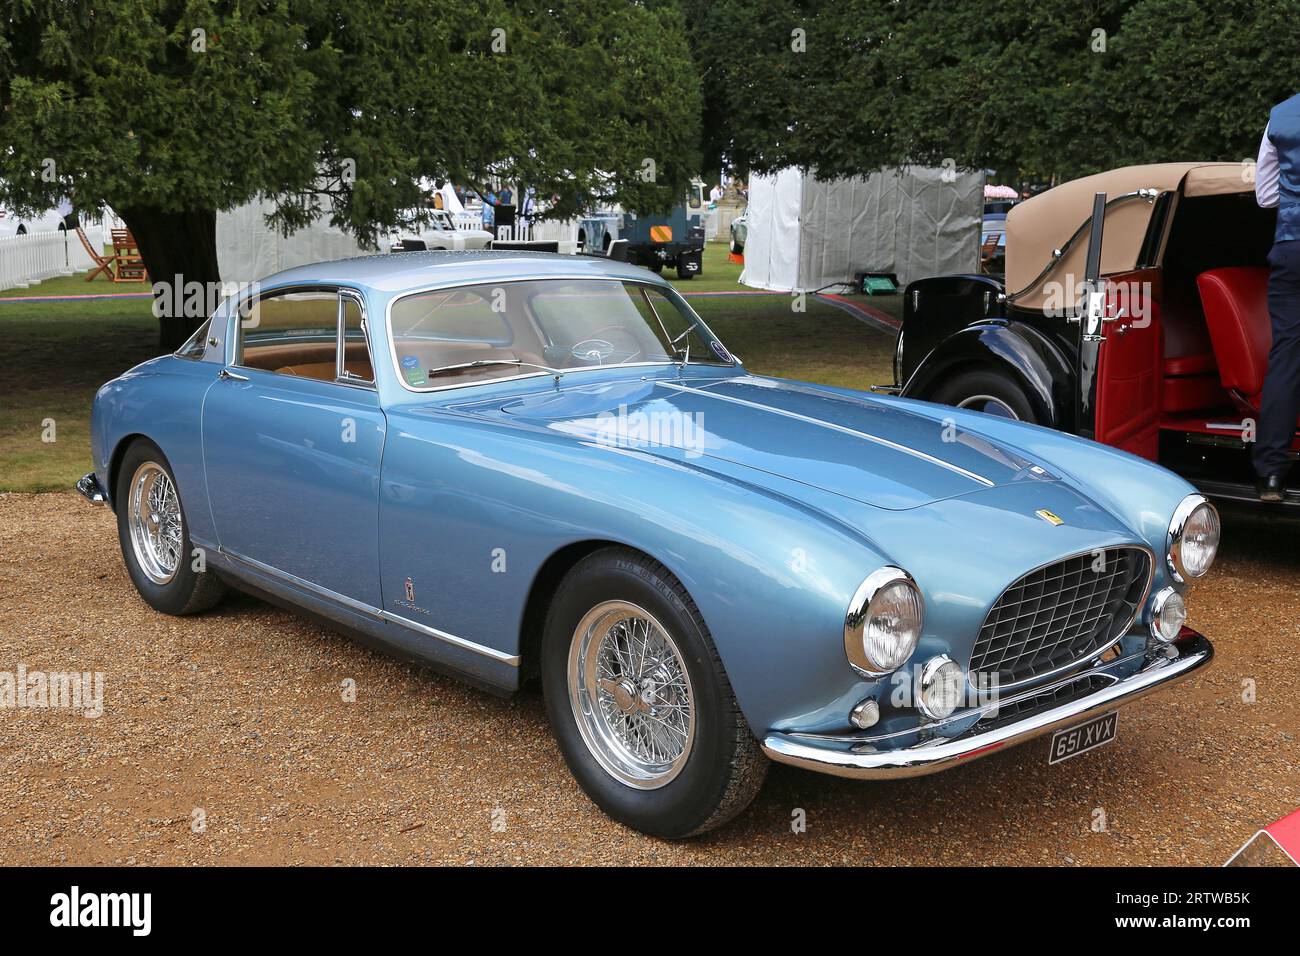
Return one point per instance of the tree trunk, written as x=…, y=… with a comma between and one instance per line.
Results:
x=178, y=248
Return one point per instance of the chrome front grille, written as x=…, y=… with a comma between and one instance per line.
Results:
x=1060, y=614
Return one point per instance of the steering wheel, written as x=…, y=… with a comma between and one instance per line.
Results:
x=596, y=349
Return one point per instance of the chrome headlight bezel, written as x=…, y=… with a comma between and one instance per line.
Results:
x=1158, y=605
x=1174, y=539
x=859, y=616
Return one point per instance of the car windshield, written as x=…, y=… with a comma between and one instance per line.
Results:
x=472, y=334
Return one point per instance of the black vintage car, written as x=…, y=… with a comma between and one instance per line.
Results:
x=1133, y=311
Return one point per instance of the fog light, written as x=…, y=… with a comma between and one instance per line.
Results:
x=865, y=715
x=942, y=683
x=1168, y=614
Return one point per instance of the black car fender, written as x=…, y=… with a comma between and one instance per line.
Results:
x=1015, y=349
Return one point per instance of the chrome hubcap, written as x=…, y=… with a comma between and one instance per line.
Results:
x=154, y=516
x=631, y=695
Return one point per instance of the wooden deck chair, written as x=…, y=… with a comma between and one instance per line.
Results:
x=102, y=263
x=130, y=264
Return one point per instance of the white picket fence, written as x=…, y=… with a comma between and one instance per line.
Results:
x=467, y=220
x=35, y=256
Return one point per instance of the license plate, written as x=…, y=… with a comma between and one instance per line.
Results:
x=1072, y=741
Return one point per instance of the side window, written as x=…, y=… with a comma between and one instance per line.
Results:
x=198, y=343
x=356, y=352
x=293, y=333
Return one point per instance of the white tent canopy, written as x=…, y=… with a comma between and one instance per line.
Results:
x=805, y=234
x=248, y=250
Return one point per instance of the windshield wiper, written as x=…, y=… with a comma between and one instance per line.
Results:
x=480, y=363
x=686, y=353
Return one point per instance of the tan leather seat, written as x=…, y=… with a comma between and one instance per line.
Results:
x=319, y=370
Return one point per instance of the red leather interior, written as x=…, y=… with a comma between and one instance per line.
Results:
x=1236, y=310
x=1191, y=393
x=1200, y=364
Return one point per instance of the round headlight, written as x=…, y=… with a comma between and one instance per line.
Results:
x=1168, y=613
x=942, y=683
x=884, y=622
x=1193, y=538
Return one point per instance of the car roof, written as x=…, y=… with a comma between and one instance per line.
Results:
x=395, y=272
x=1039, y=226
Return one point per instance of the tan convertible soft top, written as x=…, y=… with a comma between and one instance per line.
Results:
x=1044, y=223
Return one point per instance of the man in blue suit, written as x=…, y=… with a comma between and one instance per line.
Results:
x=1277, y=183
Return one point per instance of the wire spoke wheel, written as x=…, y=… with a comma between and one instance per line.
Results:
x=631, y=695
x=154, y=516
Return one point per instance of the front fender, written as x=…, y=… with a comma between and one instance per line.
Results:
x=1016, y=349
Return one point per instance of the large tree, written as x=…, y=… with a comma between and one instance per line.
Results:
x=171, y=110
x=1036, y=87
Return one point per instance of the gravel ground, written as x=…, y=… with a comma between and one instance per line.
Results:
x=239, y=714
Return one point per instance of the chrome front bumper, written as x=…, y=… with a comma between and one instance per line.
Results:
x=89, y=488
x=860, y=758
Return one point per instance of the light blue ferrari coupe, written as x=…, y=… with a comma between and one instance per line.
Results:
x=517, y=465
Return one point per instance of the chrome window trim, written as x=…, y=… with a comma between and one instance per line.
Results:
x=1140, y=606
x=511, y=660
x=1177, y=525
x=205, y=328
x=236, y=342
x=855, y=618
x=341, y=375
x=668, y=290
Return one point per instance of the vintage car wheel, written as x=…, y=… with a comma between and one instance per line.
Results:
x=152, y=532
x=639, y=701
x=988, y=392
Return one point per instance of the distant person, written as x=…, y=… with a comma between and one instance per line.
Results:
x=715, y=194
x=489, y=202
x=507, y=197
x=1277, y=183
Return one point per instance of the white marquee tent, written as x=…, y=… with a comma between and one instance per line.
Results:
x=805, y=234
x=247, y=250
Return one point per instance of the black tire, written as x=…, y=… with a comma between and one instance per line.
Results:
x=188, y=591
x=656, y=267
x=968, y=388
x=724, y=766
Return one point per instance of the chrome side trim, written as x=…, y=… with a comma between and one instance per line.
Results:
x=511, y=660
x=847, y=758
x=89, y=488
x=866, y=436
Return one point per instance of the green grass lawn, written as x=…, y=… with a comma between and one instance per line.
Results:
x=56, y=354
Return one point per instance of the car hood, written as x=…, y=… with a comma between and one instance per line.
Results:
x=880, y=452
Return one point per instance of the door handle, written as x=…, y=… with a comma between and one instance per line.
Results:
x=233, y=376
